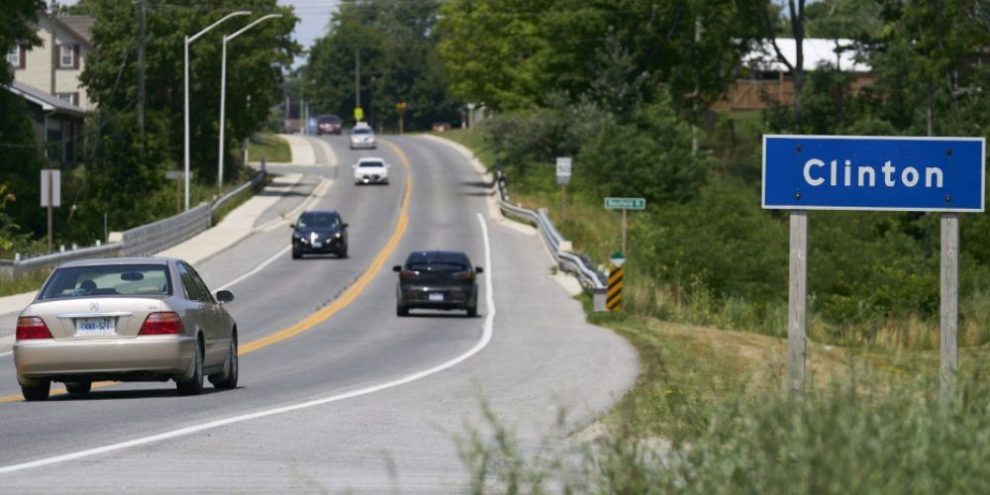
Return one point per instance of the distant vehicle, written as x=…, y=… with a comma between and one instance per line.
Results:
x=319, y=232
x=125, y=319
x=371, y=170
x=328, y=124
x=362, y=136
x=437, y=280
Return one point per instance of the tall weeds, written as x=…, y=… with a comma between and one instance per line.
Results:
x=860, y=436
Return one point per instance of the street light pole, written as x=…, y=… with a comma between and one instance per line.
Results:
x=185, y=58
x=223, y=92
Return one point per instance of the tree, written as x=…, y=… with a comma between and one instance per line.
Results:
x=796, y=15
x=254, y=69
x=925, y=58
x=512, y=54
x=396, y=43
x=20, y=157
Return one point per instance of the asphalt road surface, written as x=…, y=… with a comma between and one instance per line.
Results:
x=336, y=392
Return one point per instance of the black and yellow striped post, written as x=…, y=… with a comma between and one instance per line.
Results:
x=613, y=298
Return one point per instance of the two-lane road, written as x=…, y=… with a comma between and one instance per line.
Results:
x=338, y=392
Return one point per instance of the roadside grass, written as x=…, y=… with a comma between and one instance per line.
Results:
x=16, y=285
x=471, y=139
x=269, y=147
x=708, y=413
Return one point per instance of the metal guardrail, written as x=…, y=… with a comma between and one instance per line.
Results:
x=257, y=180
x=139, y=241
x=167, y=232
x=591, y=279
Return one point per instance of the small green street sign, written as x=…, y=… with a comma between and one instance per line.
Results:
x=625, y=203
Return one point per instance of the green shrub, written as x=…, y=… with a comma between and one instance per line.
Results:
x=862, y=436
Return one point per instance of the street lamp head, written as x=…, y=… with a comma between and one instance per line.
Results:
x=215, y=24
x=249, y=26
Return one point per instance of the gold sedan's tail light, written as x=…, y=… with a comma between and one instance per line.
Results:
x=32, y=327
x=163, y=323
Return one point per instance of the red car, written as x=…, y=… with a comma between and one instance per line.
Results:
x=328, y=124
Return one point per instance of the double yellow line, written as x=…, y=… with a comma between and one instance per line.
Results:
x=323, y=314
x=358, y=286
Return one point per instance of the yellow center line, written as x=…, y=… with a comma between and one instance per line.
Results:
x=321, y=315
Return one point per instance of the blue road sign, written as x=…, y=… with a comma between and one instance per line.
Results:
x=873, y=173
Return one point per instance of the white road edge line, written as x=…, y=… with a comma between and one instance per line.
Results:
x=256, y=269
x=2, y=354
x=486, y=337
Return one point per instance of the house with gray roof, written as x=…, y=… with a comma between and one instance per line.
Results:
x=58, y=124
x=56, y=64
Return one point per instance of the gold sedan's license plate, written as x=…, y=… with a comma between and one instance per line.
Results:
x=95, y=326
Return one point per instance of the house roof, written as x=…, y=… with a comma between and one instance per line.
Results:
x=817, y=51
x=46, y=101
x=80, y=25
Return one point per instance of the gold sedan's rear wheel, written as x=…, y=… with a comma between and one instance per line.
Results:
x=38, y=391
x=194, y=384
x=228, y=379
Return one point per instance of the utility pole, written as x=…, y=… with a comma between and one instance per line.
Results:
x=357, y=78
x=55, y=54
x=142, y=36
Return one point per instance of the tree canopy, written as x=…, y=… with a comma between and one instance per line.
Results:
x=511, y=54
x=20, y=157
x=396, y=44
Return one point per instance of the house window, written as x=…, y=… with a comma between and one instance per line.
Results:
x=15, y=57
x=72, y=98
x=68, y=56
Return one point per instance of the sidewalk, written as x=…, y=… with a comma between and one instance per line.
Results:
x=307, y=151
x=237, y=225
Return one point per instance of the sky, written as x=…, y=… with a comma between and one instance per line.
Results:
x=314, y=15
x=313, y=18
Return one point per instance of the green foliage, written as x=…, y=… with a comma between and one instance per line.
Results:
x=20, y=158
x=528, y=142
x=834, y=19
x=396, y=42
x=510, y=54
x=863, y=435
x=270, y=148
x=254, y=60
x=841, y=441
x=17, y=20
x=649, y=157
x=21, y=162
x=722, y=243
x=121, y=174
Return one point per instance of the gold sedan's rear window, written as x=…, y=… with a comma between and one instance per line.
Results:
x=108, y=280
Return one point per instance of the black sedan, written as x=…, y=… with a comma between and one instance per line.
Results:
x=437, y=280
x=319, y=232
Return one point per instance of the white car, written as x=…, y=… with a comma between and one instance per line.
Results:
x=362, y=136
x=371, y=170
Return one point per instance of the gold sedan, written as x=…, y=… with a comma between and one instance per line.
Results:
x=125, y=319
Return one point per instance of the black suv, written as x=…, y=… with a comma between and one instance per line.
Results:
x=319, y=232
x=437, y=280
